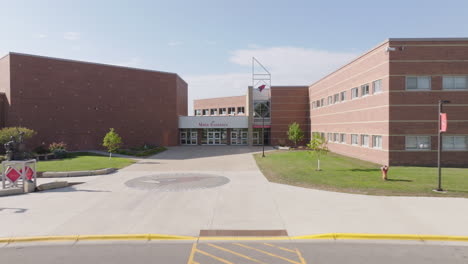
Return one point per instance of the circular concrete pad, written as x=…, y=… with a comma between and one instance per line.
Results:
x=177, y=182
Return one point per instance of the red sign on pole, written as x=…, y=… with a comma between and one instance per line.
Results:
x=443, y=122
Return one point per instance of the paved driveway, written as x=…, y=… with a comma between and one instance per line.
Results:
x=186, y=189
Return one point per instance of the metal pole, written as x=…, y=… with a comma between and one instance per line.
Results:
x=263, y=134
x=439, y=152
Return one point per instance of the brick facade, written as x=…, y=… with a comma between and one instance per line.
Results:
x=77, y=102
x=221, y=102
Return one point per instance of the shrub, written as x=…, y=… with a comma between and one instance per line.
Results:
x=41, y=150
x=8, y=132
x=57, y=146
x=112, y=141
x=60, y=153
x=295, y=133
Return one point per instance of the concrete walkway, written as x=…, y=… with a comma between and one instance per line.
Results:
x=106, y=205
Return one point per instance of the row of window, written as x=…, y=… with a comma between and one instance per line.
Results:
x=342, y=96
x=411, y=142
x=448, y=142
x=448, y=82
x=365, y=139
x=220, y=111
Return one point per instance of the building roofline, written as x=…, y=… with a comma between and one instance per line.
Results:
x=93, y=63
x=380, y=45
x=220, y=97
x=427, y=39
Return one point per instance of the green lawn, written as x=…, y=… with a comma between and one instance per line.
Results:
x=344, y=174
x=83, y=161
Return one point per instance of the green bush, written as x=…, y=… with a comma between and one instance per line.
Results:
x=41, y=150
x=112, y=141
x=8, y=132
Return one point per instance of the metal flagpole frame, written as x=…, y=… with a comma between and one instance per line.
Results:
x=258, y=79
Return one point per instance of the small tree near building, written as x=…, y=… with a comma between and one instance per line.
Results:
x=318, y=147
x=295, y=133
x=112, y=141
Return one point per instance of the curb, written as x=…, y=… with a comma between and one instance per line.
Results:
x=64, y=174
x=149, y=237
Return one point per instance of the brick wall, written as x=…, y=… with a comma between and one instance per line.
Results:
x=77, y=102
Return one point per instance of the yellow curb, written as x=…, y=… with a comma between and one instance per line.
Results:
x=149, y=237
x=383, y=237
x=95, y=238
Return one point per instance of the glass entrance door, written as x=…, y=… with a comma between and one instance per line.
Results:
x=256, y=138
x=183, y=138
x=234, y=138
x=193, y=138
x=214, y=138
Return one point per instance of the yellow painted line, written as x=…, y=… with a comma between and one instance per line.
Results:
x=192, y=254
x=95, y=237
x=235, y=253
x=383, y=237
x=267, y=253
x=282, y=248
x=212, y=256
x=300, y=257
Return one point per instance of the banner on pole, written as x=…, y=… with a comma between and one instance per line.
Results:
x=443, y=122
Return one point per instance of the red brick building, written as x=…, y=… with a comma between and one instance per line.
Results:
x=383, y=106
x=77, y=102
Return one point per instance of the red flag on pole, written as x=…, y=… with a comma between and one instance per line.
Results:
x=443, y=122
x=261, y=87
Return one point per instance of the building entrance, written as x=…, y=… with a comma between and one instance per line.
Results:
x=188, y=137
x=239, y=137
x=214, y=138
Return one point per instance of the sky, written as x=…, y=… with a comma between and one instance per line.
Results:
x=210, y=44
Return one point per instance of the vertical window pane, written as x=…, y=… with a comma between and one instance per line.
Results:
x=411, y=83
x=424, y=82
x=447, y=82
x=460, y=82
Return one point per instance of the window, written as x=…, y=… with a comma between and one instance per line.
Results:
x=377, y=142
x=364, y=89
x=354, y=139
x=214, y=111
x=240, y=110
x=231, y=110
x=330, y=100
x=329, y=137
x=365, y=141
x=418, y=83
x=454, y=83
x=314, y=105
x=322, y=135
x=318, y=103
x=354, y=93
x=222, y=111
x=336, y=98
x=343, y=96
x=322, y=102
x=343, y=138
x=336, y=137
x=418, y=142
x=198, y=112
x=377, y=86
x=455, y=142
x=206, y=112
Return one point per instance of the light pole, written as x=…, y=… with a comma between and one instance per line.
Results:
x=263, y=134
x=439, y=152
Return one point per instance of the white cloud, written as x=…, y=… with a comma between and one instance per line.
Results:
x=40, y=36
x=175, y=43
x=72, y=36
x=287, y=65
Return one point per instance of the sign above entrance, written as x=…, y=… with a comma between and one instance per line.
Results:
x=213, y=121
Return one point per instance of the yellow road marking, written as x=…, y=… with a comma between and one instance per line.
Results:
x=267, y=253
x=215, y=257
x=192, y=253
x=237, y=254
x=300, y=257
x=282, y=248
x=195, y=262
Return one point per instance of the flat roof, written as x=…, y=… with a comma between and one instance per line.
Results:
x=93, y=63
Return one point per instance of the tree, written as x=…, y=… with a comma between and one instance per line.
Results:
x=8, y=132
x=318, y=146
x=295, y=133
x=112, y=141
